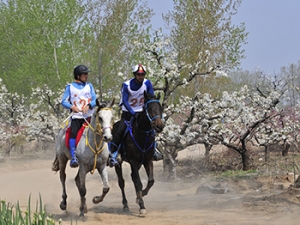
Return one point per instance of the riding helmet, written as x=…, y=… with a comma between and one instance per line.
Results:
x=139, y=68
x=80, y=69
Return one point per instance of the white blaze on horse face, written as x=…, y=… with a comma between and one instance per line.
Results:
x=107, y=117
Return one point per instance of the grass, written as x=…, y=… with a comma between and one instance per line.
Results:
x=238, y=173
x=10, y=215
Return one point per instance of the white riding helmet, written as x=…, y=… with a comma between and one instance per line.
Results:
x=139, y=68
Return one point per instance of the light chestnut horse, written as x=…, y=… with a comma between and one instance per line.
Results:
x=92, y=153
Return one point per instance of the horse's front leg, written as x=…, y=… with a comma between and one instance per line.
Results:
x=121, y=183
x=62, y=176
x=80, y=183
x=135, y=176
x=149, y=170
x=104, y=176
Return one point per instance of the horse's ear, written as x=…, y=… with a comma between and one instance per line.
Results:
x=158, y=96
x=112, y=103
x=100, y=104
x=97, y=102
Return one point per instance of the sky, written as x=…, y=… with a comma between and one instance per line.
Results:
x=274, y=32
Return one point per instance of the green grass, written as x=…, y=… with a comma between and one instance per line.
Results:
x=10, y=215
x=238, y=173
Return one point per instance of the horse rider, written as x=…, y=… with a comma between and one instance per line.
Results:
x=132, y=102
x=80, y=98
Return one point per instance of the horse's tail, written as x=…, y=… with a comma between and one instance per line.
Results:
x=55, y=164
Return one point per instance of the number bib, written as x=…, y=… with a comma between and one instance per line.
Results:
x=136, y=98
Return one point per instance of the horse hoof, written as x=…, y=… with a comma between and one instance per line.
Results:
x=63, y=206
x=97, y=199
x=143, y=211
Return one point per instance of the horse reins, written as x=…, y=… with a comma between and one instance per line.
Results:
x=99, y=131
x=149, y=133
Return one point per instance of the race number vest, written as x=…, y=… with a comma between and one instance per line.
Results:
x=80, y=98
x=136, y=98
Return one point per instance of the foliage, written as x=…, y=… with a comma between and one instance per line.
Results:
x=202, y=32
x=114, y=27
x=232, y=120
x=14, y=216
x=41, y=42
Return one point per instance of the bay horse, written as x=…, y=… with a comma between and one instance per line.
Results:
x=91, y=151
x=137, y=148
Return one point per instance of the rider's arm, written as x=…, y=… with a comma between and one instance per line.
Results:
x=149, y=87
x=93, y=94
x=125, y=97
x=66, y=98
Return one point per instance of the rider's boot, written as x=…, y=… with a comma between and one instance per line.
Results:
x=112, y=159
x=157, y=155
x=115, y=144
x=74, y=160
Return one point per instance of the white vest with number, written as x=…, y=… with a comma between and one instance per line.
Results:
x=80, y=98
x=136, y=98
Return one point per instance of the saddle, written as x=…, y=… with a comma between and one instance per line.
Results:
x=79, y=134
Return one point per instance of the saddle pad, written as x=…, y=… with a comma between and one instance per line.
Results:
x=79, y=134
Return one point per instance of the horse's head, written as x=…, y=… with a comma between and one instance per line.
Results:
x=153, y=111
x=105, y=116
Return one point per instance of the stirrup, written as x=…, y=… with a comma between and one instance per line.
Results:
x=112, y=162
x=74, y=162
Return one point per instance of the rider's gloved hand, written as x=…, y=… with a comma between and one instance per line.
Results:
x=75, y=109
x=133, y=118
x=136, y=115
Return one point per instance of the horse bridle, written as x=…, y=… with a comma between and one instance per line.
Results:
x=146, y=110
x=98, y=126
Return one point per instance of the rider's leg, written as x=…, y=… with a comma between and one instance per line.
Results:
x=157, y=154
x=117, y=138
x=74, y=160
x=75, y=126
x=115, y=143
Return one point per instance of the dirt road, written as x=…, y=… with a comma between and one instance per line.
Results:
x=168, y=203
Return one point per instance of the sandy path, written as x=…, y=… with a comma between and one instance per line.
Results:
x=168, y=203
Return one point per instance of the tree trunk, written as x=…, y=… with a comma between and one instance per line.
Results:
x=297, y=183
x=285, y=149
x=169, y=166
x=245, y=160
x=267, y=153
x=207, y=150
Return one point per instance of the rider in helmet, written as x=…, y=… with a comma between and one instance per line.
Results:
x=80, y=98
x=132, y=102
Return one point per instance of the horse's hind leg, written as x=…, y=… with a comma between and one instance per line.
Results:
x=80, y=183
x=62, y=176
x=149, y=170
x=104, y=176
x=121, y=182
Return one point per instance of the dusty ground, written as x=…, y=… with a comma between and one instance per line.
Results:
x=248, y=200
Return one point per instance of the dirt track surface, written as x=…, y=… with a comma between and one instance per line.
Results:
x=247, y=201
